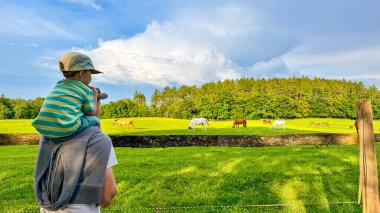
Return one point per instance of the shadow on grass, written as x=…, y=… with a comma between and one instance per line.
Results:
x=322, y=182
x=242, y=179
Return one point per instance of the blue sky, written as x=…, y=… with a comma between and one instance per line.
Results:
x=150, y=44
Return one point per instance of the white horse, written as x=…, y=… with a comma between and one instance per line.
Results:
x=196, y=121
x=278, y=123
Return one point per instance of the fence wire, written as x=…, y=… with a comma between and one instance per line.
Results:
x=285, y=207
x=220, y=208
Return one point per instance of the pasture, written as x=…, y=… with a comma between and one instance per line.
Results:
x=169, y=126
x=210, y=179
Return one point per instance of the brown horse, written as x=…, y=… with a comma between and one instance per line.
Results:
x=237, y=122
x=266, y=121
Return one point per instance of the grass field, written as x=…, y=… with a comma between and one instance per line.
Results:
x=210, y=179
x=168, y=126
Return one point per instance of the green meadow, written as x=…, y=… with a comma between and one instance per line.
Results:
x=209, y=179
x=169, y=126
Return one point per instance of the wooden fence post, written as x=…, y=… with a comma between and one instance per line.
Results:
x=368, y=179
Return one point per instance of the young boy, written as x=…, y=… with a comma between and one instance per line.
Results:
x=72, y=105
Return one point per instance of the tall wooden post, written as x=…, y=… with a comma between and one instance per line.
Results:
x=368, y=180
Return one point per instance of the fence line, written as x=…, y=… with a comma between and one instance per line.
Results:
x=230, y=206
x=155, y=209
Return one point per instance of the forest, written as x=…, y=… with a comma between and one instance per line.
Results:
x=228, y=99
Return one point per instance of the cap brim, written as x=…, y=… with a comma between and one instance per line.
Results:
x=95, y=72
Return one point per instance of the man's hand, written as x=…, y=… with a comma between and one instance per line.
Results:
x=98, y=114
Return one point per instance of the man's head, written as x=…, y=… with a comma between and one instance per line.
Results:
x=77, y=65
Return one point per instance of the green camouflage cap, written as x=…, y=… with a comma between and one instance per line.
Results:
x=74, y=61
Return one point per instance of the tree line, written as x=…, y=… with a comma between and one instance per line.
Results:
x=241, y=98
x=19, y=108
x=265, y=98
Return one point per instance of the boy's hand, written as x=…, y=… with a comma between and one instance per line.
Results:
x=94, y=91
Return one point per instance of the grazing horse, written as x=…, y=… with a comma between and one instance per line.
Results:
x=278, y=123
x=196, y=121
x=237, y=122
x=325, y=124
x=123, y=121
x=266, y=121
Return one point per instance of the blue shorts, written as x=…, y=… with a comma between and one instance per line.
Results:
x=89, y=121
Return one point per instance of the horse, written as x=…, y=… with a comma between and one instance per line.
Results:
x=325, y=124
x=278, y=123
x=196, y=121
x=123, y=121
x=266, y=121
x=237, y=122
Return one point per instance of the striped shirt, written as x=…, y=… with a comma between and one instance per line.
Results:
x=61, y=112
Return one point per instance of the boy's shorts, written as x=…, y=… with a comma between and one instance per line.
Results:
x=86, y=122
x=90, y=121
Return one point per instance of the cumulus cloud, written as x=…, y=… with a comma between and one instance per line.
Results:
x=221, y=42
x=162, y=55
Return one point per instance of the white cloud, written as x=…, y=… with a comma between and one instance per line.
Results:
x=162, y=55
x=219, y=43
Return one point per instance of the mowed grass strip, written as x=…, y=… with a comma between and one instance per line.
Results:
x=308, y=178
x=170, y=126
